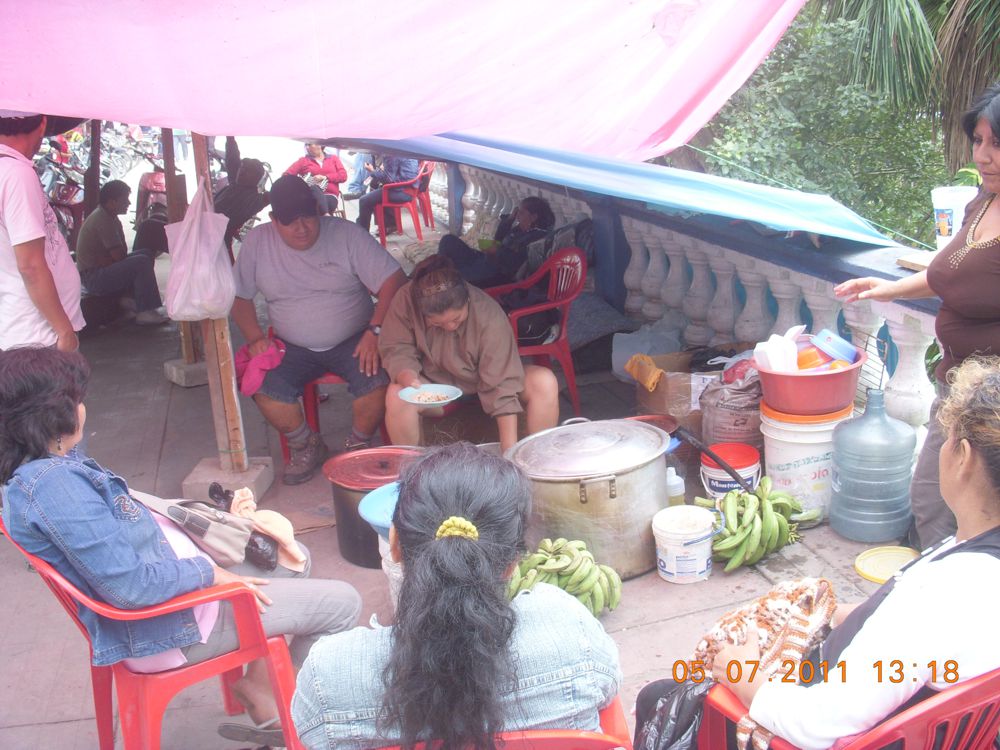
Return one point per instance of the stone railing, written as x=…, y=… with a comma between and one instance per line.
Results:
x=716, y=294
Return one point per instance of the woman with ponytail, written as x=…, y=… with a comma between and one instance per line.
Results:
x=440, y=329
x=462, y=662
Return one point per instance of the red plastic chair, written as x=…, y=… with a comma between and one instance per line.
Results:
x=566, y=270
x=968, y=714
x=423, y=193
x=143, y=698
x=614, y=734
x=410, y=188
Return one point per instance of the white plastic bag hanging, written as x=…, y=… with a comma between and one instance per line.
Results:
x=200, y=285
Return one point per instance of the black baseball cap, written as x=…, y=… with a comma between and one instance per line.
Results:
x=292, y=198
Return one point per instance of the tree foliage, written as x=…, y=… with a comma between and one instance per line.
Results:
x=804, y=120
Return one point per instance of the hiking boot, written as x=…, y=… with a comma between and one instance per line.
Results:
x=304, y=461
x=353, y=444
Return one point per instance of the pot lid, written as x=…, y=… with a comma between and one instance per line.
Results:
x=368, y=468
x=589, y=449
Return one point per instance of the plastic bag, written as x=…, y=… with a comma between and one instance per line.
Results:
x=730, y=412
x=653, y=338
x=201, y=284
x=674, y=725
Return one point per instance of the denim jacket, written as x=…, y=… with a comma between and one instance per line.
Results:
x=79, y=517
x=566, y=665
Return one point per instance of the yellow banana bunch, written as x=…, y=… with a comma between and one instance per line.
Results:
x=757, y=523
x=569, y=565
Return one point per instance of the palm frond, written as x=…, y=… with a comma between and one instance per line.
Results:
x=896, y=50
x=970, y=61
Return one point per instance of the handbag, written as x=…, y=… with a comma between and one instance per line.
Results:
x=220, y=534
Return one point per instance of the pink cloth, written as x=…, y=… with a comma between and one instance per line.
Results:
x=204, y=614
x=627, y=80
x=250, y=370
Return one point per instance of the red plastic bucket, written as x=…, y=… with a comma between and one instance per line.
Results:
x=745, y=459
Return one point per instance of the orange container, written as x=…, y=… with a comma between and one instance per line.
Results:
x=812, y=356
x=809, y=392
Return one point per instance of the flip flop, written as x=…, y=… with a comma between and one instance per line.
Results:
x=264, y=734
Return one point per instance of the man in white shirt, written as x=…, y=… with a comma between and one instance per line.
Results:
x=39, y=283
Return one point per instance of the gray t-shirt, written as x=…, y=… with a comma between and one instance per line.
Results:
x=318, y=297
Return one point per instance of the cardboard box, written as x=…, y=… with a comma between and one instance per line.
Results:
x=678, y=391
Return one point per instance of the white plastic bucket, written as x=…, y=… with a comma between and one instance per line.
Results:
x=949, y=210
x=745, y=459
x=798, y=454
x=683, y=536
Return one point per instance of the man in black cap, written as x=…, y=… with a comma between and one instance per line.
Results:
x=39, y=283
x=318, y=275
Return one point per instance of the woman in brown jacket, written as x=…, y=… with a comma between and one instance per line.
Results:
x=441, y=330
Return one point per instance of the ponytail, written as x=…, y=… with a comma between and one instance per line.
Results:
x=460, y=522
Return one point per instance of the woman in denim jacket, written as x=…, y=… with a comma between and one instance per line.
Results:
x=79, y=517
x=461, y=662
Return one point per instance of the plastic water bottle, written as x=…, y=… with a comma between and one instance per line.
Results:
x=675, y=487
x=872, y=464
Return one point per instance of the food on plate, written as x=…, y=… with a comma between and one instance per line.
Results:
x=427, y=397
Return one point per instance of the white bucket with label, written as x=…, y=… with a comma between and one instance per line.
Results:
x=949, y=210
x=798, y=454
x=683, y=535
x=745, y=459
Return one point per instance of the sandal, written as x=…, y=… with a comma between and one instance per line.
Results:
x=269, y=733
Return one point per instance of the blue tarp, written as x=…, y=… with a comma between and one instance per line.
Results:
x=674, y=191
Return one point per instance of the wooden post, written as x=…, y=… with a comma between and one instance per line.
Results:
x=92, y=177
x=226, y=412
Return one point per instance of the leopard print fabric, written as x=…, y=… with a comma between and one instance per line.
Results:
x=790, y=620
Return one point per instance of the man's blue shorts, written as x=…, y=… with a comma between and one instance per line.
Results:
x=299, y=366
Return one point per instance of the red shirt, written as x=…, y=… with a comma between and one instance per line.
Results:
x=331, y=168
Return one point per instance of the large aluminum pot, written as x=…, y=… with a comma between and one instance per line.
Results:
x=601, y=482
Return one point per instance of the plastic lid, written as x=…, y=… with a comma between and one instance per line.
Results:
x=589, y=449
x=879, y=564
x=781, y=416
x=675, y=484
x=368, y=468
x=737, y=455
x=832, y=344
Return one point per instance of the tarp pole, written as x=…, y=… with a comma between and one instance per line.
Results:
x=226, y=413
x=92, y=177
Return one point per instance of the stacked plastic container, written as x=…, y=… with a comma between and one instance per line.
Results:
x=803, y=403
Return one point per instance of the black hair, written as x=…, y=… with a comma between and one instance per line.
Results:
x=985, y=106
x=540, y=208
x=40, y=389
x=437, y=286
x=113, y=190
x=450, y=663
x=19, y=125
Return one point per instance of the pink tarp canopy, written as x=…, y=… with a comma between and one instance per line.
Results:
x=620, y=78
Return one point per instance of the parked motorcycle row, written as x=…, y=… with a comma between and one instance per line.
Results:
x=62, y=161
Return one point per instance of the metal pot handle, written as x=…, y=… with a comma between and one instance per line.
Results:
x=612, y=486
x=574, y=420
x=715, y=529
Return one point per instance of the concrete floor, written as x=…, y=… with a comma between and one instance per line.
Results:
x=153, y=433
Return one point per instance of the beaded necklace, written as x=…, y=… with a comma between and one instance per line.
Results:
x=959, y=255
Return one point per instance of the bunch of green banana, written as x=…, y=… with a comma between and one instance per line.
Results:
x=570, y=566
x=757, y=523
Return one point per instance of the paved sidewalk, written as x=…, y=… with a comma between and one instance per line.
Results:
x=153, y=433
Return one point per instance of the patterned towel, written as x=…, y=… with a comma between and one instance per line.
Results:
x=791, y=619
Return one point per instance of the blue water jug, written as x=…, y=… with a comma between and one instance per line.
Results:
x=872, y=464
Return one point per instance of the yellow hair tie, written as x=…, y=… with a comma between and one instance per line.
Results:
x=457, y=526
